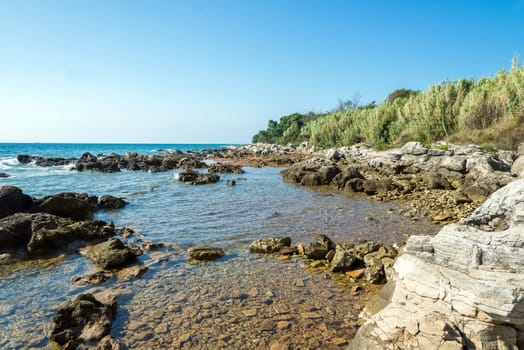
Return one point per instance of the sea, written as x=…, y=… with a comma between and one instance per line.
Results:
x=240, y=301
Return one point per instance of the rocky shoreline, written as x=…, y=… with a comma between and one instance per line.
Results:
x=445, y=182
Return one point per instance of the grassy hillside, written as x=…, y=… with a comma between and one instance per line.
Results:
x=488, y=111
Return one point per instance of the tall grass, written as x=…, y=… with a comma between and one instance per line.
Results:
x=490, y=110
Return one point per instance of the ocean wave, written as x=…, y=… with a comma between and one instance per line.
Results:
x=8, y=163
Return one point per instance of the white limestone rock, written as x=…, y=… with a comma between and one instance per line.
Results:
x=462, y=289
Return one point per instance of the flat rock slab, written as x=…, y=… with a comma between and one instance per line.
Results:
x=205, y=253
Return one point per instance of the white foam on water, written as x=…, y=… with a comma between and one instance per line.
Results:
x=8, y=163
x=175, y=176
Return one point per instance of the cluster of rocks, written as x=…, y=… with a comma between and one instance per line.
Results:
x=447, y=176
x=33, y=228
x=459, y=289
x=263, y=154
x=369, y=260
x=115, y=162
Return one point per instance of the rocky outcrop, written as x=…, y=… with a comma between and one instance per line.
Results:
x=13, y=200
x=461, y=289
x=114, y=162
x=112, y=253
x=270, y=244
x=45, y=233
x=81, y=320
x=205, y=253
x=447, y=180
x=4, y=175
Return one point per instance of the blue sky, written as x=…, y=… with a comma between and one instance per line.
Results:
x=216, y=71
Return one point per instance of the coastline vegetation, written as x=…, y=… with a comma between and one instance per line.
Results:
x=488, y=111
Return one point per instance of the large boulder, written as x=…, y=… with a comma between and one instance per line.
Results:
x=80, y=320
x=13, y=200
x=15, y=230
x=459, y=289
x=270, y=244
x=112, y=253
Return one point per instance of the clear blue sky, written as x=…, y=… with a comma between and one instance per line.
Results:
x=216, y=71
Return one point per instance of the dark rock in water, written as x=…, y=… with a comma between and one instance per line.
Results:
x=89, y=162
x=225, y=168
x=205, y=253
x=15, y=230
x=111, y=202
x=112, y=253
x=3, y=175
x=49, y=232
x=92, y=278
x=72, y=205
x=82, y=319
x=343, y=260
x=195, y=178
x=44, y=161
x=231, y=182
x=44, y=233
x=270, y=245
x=13, y=200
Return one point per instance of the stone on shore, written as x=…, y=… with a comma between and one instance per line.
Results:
x=71, y=205
x=196, y=178
x=270, y=244
x=205, y=253
x=459, y=289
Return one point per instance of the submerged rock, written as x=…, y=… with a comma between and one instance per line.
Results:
x=82, y=319
x=270, y=245
x=460, y=289
x=112, y=253
x=205, y=253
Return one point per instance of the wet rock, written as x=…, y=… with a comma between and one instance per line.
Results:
x=111, y=202
x=72, y=205
x=13, y=200
x=342, y=261
x=270, y=245
x=4, y=175
x=341, y=179
x=82, y=319
x=15, y=230
x=112, y=253
x=49, y=232
x=131, y=272
x=96, y=277
x=231, y=182
x=205, y=253
x=196, y=178
x=89, y=162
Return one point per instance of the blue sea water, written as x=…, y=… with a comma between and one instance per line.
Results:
x=166, y=210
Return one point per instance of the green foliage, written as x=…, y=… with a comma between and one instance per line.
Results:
x=487, y=111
